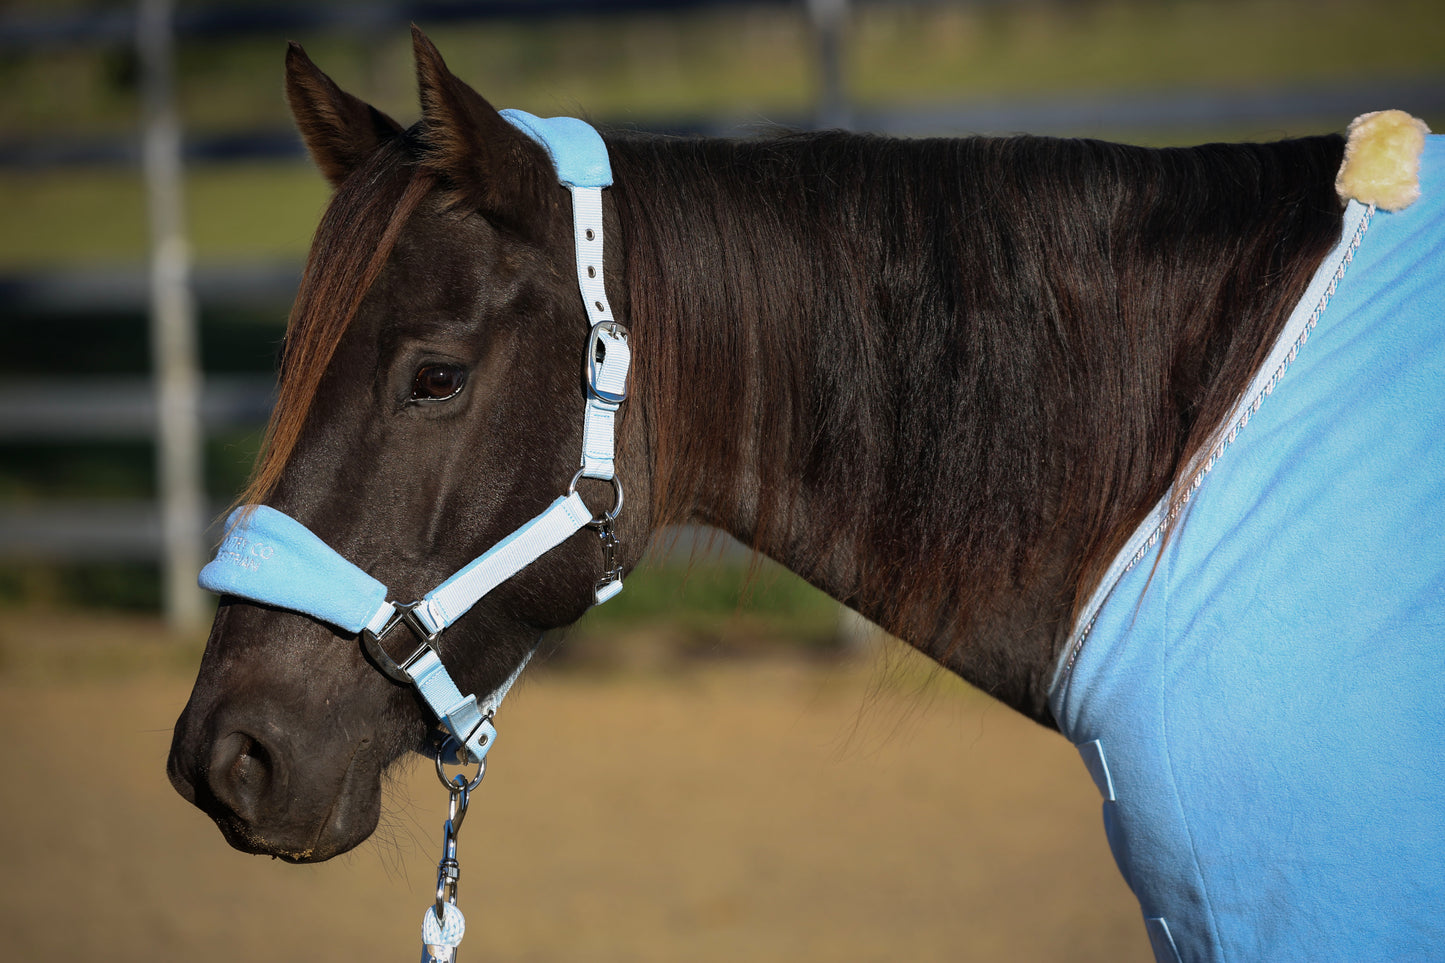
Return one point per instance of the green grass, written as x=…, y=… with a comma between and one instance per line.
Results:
x=747, y=63
x=1035, y=49
x=254, y=211
x=58, y=217
x=258, y=211
x=751, y=64
x=714, y=591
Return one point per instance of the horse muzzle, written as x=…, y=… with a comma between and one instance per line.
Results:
x=239, y=766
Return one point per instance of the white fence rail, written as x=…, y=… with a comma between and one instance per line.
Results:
x=34, y=412
x=99, y=408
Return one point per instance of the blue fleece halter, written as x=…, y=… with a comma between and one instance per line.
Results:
x=271, y=558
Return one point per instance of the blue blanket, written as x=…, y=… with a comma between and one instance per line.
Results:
x=1261, y=697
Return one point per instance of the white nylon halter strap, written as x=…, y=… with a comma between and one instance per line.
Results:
x=464, y=718
x=580, y=157
x=450, y=600
x=271, y=558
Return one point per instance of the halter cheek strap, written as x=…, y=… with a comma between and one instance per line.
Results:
x=271, y=558
x=580, y=157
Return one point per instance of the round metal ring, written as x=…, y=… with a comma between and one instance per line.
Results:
x=452, y=783
x=606, y=518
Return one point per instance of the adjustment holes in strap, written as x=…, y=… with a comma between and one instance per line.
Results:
x=591, y=271
x=590, y=234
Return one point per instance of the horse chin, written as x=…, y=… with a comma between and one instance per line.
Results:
x=349, y=821
x=248, y=839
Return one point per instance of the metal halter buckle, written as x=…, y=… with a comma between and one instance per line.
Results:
x=595, y=359
x=371, y=643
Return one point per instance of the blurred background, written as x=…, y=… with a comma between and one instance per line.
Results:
x=776, y=780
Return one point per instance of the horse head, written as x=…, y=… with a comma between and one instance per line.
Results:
x=430, y=401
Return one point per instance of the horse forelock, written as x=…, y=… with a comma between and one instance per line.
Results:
x=355, y=238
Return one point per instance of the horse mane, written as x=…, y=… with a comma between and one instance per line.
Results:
x=983, y=359
x=357, y=233
x=977, y=362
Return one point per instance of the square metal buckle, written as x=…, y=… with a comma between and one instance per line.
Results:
x=371, y=643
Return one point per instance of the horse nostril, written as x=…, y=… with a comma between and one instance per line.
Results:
x=242, y=774
x=176, y=772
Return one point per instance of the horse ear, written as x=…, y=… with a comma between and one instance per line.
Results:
x=491, y=166
x=340, y=130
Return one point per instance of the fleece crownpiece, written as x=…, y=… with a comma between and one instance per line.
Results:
x=576, y=150
x=1382, y=160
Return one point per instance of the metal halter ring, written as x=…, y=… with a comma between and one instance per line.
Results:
x=458, y=782
x=606, y=518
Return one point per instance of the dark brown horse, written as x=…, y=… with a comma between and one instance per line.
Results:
x=942, y=380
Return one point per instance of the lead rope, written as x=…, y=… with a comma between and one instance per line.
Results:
x=443, y=925
x=271, y=558
x=574, y=149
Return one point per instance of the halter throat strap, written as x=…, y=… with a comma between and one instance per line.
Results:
x=271, y=558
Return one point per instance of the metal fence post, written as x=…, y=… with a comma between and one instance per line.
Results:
x=830, y=20
x=174, y=353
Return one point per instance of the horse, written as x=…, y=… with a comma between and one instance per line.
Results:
x=1133, y=440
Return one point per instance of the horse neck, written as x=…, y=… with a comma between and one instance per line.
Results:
x=942, y=380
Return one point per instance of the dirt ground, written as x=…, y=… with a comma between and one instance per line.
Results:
x=764, y=810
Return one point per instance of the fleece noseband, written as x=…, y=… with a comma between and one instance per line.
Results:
x=271, y=558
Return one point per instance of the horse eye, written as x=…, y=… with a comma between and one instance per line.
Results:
x=437, y=382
